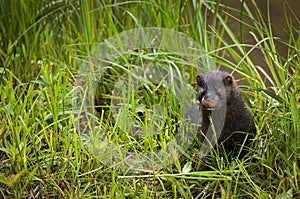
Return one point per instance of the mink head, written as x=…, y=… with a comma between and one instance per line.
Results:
x=214, y=89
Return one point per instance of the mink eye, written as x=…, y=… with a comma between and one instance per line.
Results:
x=218, y=93
x=202, y=85
x=201, y=93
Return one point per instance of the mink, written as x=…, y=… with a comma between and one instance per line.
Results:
x=222, y=103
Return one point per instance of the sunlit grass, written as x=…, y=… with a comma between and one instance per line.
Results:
x=43, y=155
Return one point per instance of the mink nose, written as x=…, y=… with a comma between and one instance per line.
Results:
x=207, y=103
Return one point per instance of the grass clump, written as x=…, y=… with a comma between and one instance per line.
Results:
x=42, y=154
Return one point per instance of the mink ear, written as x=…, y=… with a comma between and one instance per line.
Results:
x=228, y=80
x=199, y=80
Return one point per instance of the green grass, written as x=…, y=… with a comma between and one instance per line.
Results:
x=42, y=154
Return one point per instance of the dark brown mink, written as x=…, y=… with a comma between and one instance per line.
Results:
x=222, y=103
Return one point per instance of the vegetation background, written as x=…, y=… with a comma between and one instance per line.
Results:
x=41, y=153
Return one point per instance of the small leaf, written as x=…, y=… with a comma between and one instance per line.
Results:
x=41, y=82
x=11, y=180
x=187, y=167
x=140, y=108
x=9, y=109
x=286, y=195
